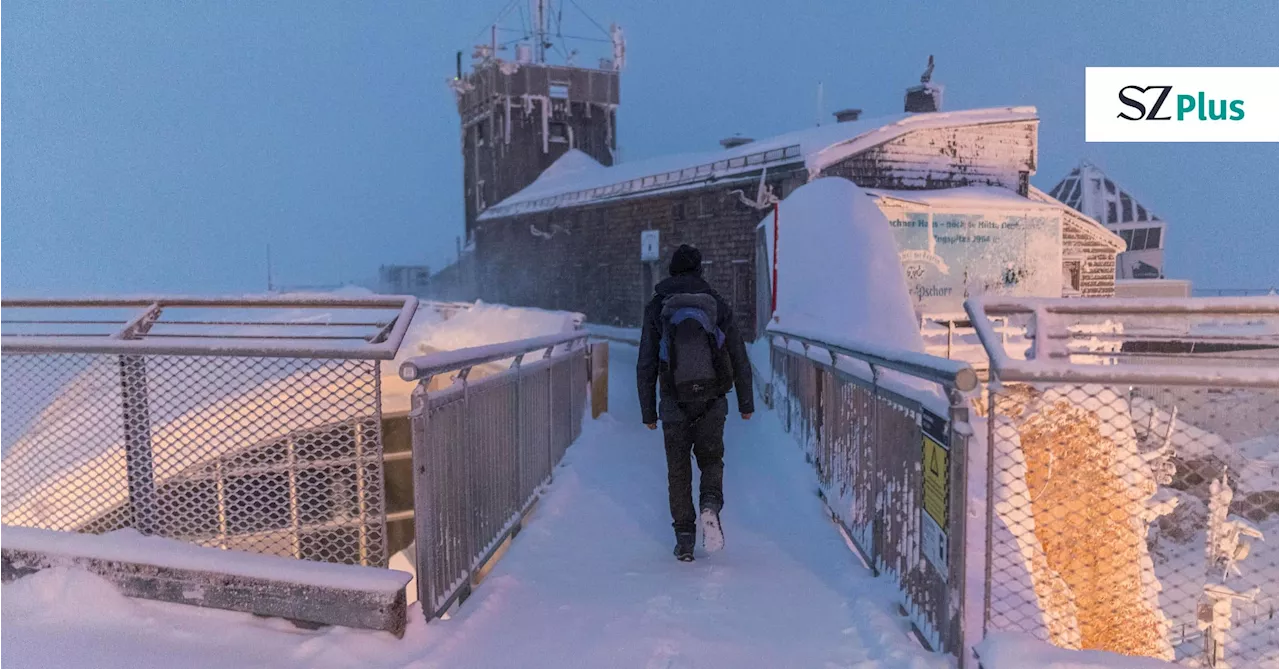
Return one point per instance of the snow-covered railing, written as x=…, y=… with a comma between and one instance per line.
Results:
x=220, y=326
x=705, y=173
x=887, y=431
x=1131, y=460
x=247, y=423
x=483, y=450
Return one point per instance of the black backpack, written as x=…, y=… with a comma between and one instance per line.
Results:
x=692, y=350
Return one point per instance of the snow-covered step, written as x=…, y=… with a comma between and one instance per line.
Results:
x=172, y=571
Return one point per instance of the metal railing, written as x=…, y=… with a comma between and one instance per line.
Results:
x=1130, y=462
x=887, y=431
x=483, y=450
x=201, y=419
x=705, y=173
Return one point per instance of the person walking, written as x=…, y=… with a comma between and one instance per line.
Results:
x=690, y=348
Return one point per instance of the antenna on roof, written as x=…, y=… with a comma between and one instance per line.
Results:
x=271, y=288
x=819, y=103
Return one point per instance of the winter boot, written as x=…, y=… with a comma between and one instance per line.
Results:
x=712, y=535
x=684, y=547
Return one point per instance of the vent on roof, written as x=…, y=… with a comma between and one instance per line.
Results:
x=736, y=140
x=847, y=115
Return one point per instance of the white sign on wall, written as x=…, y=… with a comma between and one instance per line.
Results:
x=649, y=245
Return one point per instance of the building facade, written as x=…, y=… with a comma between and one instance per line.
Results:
x=582, y=236
x=1091, y=192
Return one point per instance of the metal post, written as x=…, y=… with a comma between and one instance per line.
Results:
x=992, y=418
x=361, y=505
x=139, y=463
x=960, y=443
x=220, y=501
x=874, y=452
x=951, y=329
x=519, y=448
x=291, y=452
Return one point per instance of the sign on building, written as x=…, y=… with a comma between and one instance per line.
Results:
x=649, y=245
x=950, y=255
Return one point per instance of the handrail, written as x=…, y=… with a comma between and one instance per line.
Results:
x=426, y=366
x=950, y=373
x=133, y=338
x=1056, y=371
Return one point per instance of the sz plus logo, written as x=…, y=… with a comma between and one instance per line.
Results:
x=1193, y=107
x=1182, y=104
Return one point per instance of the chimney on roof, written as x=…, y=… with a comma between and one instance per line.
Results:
x=735, y=141
x=927, y=97
x=847, y=115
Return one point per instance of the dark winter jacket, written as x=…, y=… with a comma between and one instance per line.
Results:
x=648, y=367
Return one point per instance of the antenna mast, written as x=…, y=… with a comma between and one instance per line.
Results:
x=270, y=284
x=540, y=29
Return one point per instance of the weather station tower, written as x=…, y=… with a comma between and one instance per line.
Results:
x=527, y=100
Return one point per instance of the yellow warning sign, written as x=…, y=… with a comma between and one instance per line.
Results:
x=936, y=482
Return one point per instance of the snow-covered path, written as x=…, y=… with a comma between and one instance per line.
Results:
x=590, y=582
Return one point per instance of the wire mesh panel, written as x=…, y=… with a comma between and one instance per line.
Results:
x=482, y=451
x=886, y=466
x=1124, y=519
x=276, y=455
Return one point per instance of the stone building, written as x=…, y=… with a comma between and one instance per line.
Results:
x=573, y=238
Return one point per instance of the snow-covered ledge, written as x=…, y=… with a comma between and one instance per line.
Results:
x=173, y=571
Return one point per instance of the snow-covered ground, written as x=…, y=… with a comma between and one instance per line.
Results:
x=589, y=582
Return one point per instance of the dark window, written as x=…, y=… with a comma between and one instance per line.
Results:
x=677, y=211
x=480, y=133
x=1127, y=236
x=1126, y=208
x=1142, y=213
x=1111, y=187
x=1111, y=212
x=559, y=131
x=1153, y=238
x=1075, y=192
x=1139, y=240
x=1057, y=190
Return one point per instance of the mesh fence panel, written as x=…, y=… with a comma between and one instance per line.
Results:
x=280, y=456
x=870, y=450
x=482, y=451
x=1123, y=517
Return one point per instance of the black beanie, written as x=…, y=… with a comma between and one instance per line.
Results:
x=686, y=260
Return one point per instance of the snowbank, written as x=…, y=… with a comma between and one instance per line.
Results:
x=838, y=267
x=481, y=325
x=1006, y=650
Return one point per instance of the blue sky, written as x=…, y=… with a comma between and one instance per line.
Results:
x=161, y=146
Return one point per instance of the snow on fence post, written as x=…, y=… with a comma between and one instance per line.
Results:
x=883, y=429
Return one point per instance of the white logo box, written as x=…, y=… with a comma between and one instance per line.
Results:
x=1258, y=88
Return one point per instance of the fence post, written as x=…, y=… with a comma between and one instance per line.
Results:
x=960, y=439
x=139, y=463
x=519, y=448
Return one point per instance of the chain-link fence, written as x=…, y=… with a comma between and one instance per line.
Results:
x=248, y=442
x=881, y=430
x=483, y=449
x=1135, y=510
x=1124, y=518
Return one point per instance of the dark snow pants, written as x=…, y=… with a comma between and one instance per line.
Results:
x=701, y=432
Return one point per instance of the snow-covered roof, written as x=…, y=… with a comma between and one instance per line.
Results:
x=576, y=179
x=1091, y=225
x=965, y=197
